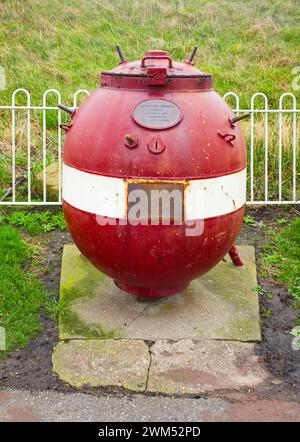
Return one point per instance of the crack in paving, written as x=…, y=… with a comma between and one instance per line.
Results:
x=137, y=317
x=149, y=367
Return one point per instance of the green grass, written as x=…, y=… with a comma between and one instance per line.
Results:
x=248, y=46
x=282, y=258
x=22, y=297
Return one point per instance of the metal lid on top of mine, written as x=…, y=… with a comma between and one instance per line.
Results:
x=157, y=59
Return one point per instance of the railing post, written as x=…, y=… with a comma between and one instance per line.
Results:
x=294, y=145
x=28, y=108
x=45, y=108
x=266, y=145
x=75, y=97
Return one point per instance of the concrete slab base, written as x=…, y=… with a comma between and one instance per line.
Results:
x=222, y=304
x=203, y=337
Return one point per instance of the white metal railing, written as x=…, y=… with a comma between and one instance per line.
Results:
x=266, y=112
x=264, y=185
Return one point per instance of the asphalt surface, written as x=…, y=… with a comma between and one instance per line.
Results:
x=17, y=405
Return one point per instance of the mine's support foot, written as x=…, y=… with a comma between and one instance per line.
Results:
x=151, y=292
x=235, y=257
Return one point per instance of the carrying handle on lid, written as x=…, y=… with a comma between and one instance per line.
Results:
x=156, y=57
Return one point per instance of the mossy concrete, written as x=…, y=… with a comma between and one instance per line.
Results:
x=79, y=281
x=103, y=363
x=223, y=304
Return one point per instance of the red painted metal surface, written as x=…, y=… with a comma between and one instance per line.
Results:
x=105, y=118
x=154, y=260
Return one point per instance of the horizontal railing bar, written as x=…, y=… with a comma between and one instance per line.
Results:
x=250, y=203
x=234, y=110
x=282, y=113
x=267, y=111
x=31, y=107
x=30, y=203
x=57, y=203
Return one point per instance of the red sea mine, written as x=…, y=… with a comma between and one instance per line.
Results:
x=154, y=128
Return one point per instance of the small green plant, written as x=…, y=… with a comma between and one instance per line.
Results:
x=296, y=340
x=282, y=221
x=263, y=292
x=295, y=331
x=249, y=220
x=266, y=312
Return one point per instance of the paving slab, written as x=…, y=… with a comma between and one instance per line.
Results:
x=50, y=406
x=187, y=367
x=103, y=363
x=222, y=304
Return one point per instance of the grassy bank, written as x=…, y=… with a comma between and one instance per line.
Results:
x=248, y=46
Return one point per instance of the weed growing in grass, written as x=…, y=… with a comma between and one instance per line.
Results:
x=248, y=220
x=263, y=292
x=282, y=221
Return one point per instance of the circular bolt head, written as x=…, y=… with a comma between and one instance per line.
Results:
x=156, y=145
x=131, y=141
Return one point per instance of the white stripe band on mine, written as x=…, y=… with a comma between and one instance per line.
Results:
x=107, y=196
x=99, y=194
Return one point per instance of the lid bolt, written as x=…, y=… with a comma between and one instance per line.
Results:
x=131, y=141
x=192, y=55
x=234, y=120
x=121, y=53
x=69, y=110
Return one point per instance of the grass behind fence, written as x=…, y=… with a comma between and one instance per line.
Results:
x=258, y=164
x=272, y=154
x=248, y=46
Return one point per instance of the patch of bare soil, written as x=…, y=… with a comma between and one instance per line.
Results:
x=31, y=367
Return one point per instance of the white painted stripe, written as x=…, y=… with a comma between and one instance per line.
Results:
x=92, y=193
x=215, y=196
x=103, y=195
